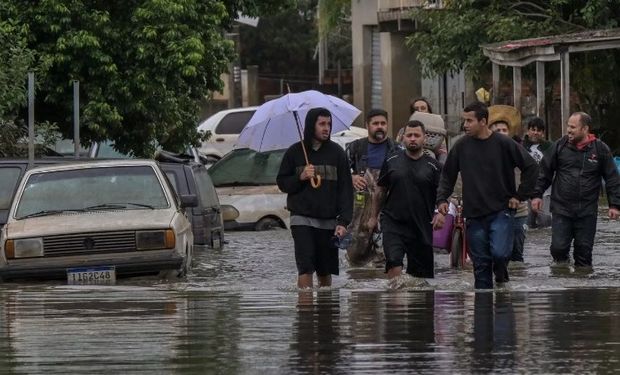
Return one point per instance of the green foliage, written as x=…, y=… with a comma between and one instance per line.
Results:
x=143, y=65
x=449, y=38
x=16, y=60
x=14, y=139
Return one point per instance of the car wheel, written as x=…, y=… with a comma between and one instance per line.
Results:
x=267, y=223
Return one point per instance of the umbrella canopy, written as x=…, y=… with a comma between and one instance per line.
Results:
x=274, y=127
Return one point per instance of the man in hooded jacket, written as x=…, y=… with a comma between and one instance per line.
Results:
x=319, y=215
x=575, y=164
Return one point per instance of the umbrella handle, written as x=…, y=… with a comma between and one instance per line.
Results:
x=315, y=181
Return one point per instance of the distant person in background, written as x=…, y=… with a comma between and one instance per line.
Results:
x=420, y=104
x=536, y=144
x=575, y=166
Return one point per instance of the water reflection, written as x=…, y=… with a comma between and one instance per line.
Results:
x=494, y=333
x=316, y=333
x=239, y=313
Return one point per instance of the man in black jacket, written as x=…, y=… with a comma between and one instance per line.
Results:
x=486, y=161
x=366, y=156
x=370, y=152
x=317, y=214
x=575, y=164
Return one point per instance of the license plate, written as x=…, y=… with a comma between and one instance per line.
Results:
x=91, y=275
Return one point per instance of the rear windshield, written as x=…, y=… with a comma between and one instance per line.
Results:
x=245, y=167
x=9, y=177
x=234, y=122
x=133, y=186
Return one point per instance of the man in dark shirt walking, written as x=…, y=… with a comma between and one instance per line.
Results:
x=408, y=185
x=317, y=214
x=486, y=161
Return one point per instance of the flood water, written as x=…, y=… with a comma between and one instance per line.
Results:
x=240, y=313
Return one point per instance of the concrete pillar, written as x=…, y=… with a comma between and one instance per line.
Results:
x=495, y=74
x=540, y=89
x=565, y=87
x=402, y=79
x=516, y=87
x=252, y=90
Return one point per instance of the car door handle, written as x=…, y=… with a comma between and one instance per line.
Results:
x=219, y=139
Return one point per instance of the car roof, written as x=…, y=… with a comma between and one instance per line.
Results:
x=216, y=117
x=91, y=163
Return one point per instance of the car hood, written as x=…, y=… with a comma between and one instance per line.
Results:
x=248, y=190
x=84, y=222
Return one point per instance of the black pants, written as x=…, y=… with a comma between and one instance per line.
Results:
x=315, y=250
x=580, y=231
x=420, y=261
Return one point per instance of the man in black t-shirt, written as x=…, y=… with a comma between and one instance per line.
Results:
x=408, y=186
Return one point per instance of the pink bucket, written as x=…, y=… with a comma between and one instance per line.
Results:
x=441, y=237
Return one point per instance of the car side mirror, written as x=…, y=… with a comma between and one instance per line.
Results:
x=189, y=200
x=229, y=213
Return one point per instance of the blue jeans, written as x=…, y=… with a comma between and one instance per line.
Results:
x=490, y=240
x=564, y=230
x=520, y=227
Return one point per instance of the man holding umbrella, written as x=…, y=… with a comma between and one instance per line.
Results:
x=316, y=176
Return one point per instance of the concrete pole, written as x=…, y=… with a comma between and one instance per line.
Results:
x=76, y=119
x=565, y=87
x=495, y=83
x=540, y=89
x=31, y=118
x=516, y=87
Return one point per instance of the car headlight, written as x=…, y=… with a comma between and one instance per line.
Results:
x=155, y=239
x=23, y=248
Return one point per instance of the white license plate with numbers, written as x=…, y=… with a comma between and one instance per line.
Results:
x=91, y=275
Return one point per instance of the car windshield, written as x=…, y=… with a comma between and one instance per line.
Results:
x=97, y=188
x=245, y=167
x=9, y=177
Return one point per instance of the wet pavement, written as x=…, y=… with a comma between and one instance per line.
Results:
x=240, y=313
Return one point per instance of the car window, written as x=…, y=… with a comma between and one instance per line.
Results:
x=107, y=151
x=205, y=188
x=9, y=177
x=81, y=188
x=233, y=122
x=172, y=176
x=247, y=167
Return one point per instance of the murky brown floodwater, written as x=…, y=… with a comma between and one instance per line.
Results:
x=240, y=313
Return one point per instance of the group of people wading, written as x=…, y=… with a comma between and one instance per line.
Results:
x=500, y=177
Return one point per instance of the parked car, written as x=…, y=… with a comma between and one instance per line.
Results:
x=225, y=127
x=11, y=172
x=188, y=177
x=89, y=222
x=246, y=180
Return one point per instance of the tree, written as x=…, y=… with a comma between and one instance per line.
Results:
x=449, y=40
x=143, y=65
